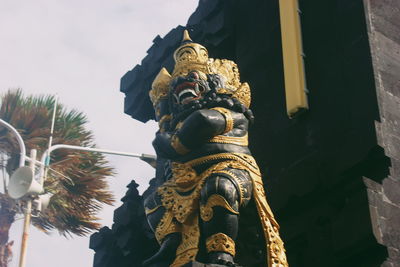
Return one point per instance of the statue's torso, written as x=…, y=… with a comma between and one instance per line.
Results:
x=219, y=147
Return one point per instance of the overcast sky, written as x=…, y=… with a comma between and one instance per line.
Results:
x=80, y=50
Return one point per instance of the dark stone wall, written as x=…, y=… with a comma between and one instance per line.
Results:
x=314, y=165
x=332, y=173
x=383, y=21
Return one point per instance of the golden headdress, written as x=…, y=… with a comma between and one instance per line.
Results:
x=192, y=56
x=160, y=86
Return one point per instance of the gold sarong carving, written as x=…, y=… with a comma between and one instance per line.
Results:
x=181, y=196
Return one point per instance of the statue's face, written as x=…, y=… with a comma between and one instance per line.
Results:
x=186, y=89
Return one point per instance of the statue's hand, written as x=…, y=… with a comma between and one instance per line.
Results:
x=162, y=145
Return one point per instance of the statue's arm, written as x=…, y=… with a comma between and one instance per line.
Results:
x=200, y=127
x=197, y=129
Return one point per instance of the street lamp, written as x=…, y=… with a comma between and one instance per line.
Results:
x=23, y=184
x=45, y=161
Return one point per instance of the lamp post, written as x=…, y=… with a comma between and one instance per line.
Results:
x=45, y=161
x=27, y=217
x=28, y=210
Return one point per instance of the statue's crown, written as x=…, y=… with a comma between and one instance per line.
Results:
x=190, y=56
x=160, y=86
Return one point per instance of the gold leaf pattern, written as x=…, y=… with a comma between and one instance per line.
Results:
x=206, y=211
x=220, y=242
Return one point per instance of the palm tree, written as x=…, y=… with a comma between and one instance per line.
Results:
x=77, y=179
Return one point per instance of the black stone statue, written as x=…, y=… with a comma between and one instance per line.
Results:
x=211, y=206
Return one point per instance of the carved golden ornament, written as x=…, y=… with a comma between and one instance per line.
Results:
x=150, y=211
x=160, y=86
x=180, y=195
x=178, y=125
x=243, y=94
x=229, y=72
x=185, y=175
x=228, y=118
x=182, y=204
x=276, y=256
x=220, y=242
x=189, y=246
x=178, y=146
x=190, y=56
x=166, y=226
x=157, y=111
x=238, y=182
x=235, y=160
x=206, y=211
x=163, y=120
x=234, y=140
x=184, y=180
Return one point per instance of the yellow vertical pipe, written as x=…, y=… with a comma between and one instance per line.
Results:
x=296, y=98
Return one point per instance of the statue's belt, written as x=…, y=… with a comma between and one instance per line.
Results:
x=244, y=159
